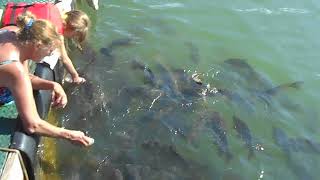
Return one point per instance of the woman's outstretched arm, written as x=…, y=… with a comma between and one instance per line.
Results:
x=20, y=85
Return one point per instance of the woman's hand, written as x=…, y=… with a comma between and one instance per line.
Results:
x=59, y=97
x=78, y=80
x=78, y=137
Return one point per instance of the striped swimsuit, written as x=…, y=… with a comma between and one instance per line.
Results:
x=5, y=94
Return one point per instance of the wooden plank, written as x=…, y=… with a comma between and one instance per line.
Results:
x=13, y=169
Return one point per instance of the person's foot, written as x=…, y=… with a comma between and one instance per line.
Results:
x=94, y=4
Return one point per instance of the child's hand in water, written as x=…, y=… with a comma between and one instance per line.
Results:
x=79, y=80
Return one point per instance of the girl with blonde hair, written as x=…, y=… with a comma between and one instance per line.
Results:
x=31, y=39
x=73, y=24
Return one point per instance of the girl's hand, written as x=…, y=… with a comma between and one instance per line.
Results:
x=59, y=97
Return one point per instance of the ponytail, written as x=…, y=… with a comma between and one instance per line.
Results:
x=36, y=30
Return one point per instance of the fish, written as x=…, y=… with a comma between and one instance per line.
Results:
x=247, y=73
x=244, y=133
x=240, y=63
x=107, y=51
x=260, y=86
x=287, y=146
x=305, y=145
x=235, y=97
x=166, y=83
x=298, y=144
x=167, y=151
x=275, y=90
x=194, y=52
x=282, y=140
x=120, y=42
x=149, y=77
x=216, y=123
x=266, y=95
x=175, y=125
x=186, y=85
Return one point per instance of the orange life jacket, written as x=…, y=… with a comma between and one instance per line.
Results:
x=46, y=11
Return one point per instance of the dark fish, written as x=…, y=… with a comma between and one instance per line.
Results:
x=282, y=140
x=267, y=95
x=300, y=171
x=305, y=145
x=134, y=91
x=149, y=77
x=229, y=175
x=239, y=63
x=244, y=133
x=107, y=51
x=166, y=83
x=216, y=123
x=288, y=145
x=281, y=87
x=186, y=85
x=235, y=97
x=296, y=144
x=247, y=73
x=120, y=42
x=90, y=55
x=165, y=150
x=174, y=125
x=194, y=52
x=135, y=64
x=314, y=146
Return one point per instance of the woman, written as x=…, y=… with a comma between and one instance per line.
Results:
x=32, y=39
x=72, y=24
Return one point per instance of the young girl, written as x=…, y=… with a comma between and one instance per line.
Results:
x=31, y=39
x=73, y=24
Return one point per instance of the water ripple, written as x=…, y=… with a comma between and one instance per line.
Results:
x=166, y=6
x=274, y=11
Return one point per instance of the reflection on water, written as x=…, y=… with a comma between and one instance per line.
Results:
x=163, y=107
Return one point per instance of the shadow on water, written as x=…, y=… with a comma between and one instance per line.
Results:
x=157, y=121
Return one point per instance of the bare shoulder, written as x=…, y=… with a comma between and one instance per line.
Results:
x=10, y=28
x=11, y=73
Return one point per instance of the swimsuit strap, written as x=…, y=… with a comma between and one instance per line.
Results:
x=3, y=30
x=8, y=62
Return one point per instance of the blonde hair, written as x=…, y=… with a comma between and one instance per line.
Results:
x=36, y=30
x=79, y=22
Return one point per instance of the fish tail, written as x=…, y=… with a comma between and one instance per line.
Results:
x=296, y=84
x=251, y=153
x=228, y=156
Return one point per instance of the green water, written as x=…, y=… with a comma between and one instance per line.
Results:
x=278, y=39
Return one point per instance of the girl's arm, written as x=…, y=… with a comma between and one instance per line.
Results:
x=59, y=98
x=68, y=64
x=20, y=86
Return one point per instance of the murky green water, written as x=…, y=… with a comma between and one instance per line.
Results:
x=157, y=123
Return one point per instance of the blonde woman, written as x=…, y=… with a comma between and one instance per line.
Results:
x=72, y=24
x=31, y=39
